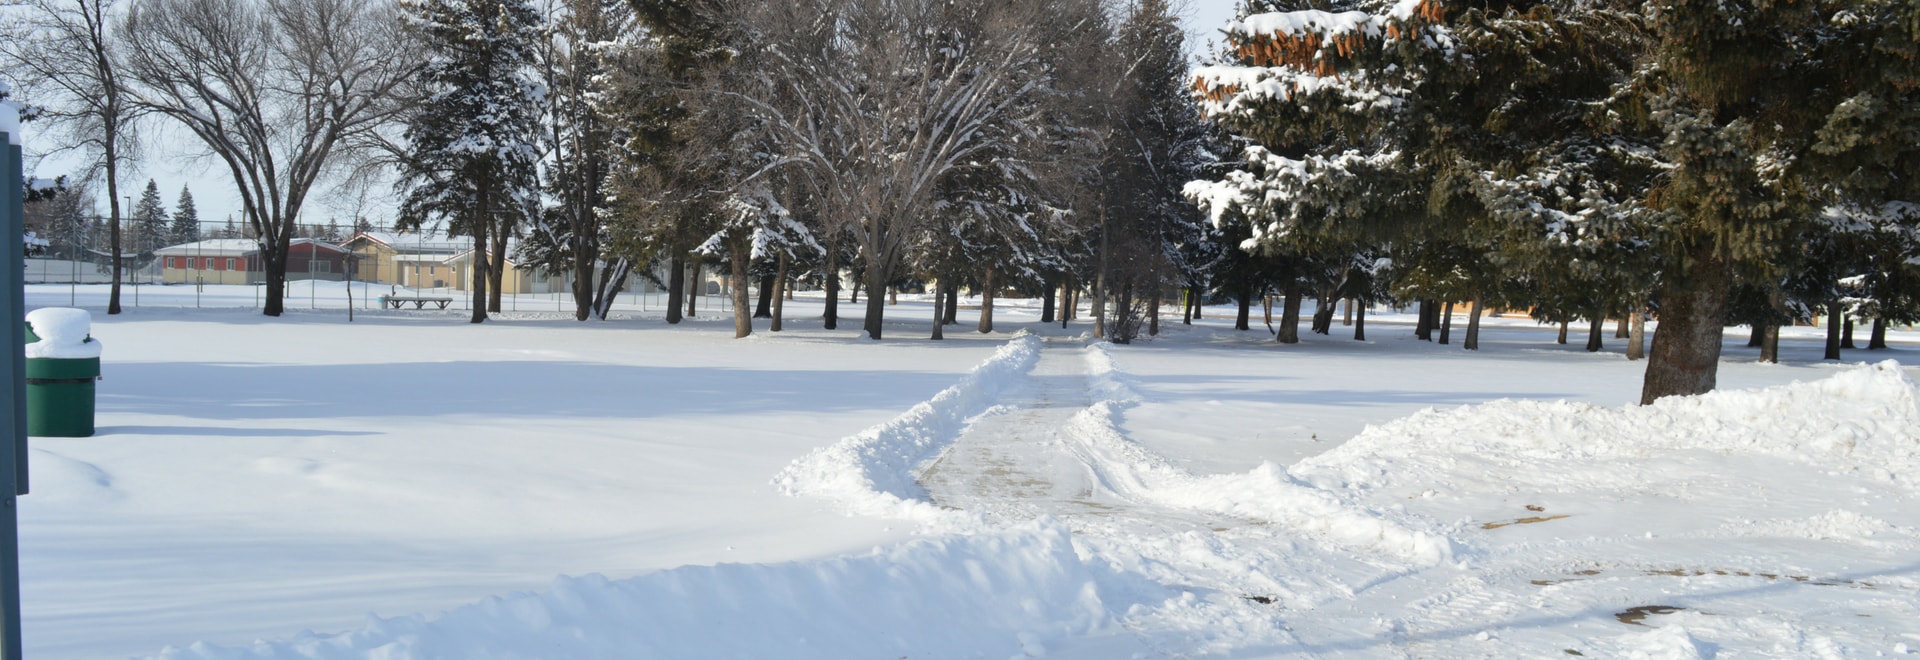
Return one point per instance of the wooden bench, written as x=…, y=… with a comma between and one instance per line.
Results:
x=419, y=302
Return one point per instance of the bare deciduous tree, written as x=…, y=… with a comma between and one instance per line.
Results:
x=879, y=100
x=275, y=90
x=65, y=60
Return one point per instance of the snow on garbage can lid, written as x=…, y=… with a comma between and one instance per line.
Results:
x=63, y=334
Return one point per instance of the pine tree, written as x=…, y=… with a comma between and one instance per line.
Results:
x=471, y=143
x=1770, y=112
x=186, y=220
x=149, y=222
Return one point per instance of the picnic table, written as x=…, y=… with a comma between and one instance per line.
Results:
x=419, y=302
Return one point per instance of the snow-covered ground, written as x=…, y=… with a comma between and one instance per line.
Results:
x=411, y=485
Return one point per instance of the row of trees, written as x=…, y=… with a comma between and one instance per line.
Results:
x=1715, y=162
x=1718, y=162
x=901, y=140
x=980, y=143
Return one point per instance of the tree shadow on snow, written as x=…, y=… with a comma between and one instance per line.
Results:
x=485, y=389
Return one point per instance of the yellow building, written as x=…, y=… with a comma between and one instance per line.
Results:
x=459, y=270
x=410, y=259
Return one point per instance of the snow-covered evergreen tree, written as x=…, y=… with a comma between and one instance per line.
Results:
x=186, y=220
x=150, y=226
x=471, y=142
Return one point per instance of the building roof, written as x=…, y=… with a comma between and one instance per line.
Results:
x=218, y=247
x=233, y=247
x=431, y=241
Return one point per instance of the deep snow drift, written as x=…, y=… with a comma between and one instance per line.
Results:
x=812, y=494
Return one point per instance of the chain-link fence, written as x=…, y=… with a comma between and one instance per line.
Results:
x=71, y=263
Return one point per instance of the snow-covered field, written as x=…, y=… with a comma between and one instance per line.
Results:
x=410, y=485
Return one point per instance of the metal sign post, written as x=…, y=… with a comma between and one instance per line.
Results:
x=13, y=392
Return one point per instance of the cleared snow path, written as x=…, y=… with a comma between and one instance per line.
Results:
x=1230, y=552
x=1012, y=463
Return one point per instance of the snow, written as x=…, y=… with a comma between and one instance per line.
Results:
x=1308, y=21
x=63, y=334
x=408, y=485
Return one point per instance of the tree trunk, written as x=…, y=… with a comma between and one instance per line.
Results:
x=1878, y=340
x=1360, y=320
x=613, y=278
x=1595, y=332
x=1066, y=300
x=763, y=306
x=1446, y=322
x=1323, y=309
x=781, y=292
x=876, y=305
x=1346, y=317
x=1046, y=301
x=1620, y=329
x=497, y=265
x=853, y=295
x=949, y=302
x=986, y=302
x=1187, y=299
x=1100, y=305
x=1685, y=356
x=1423, y=328
x=1770, y=343
x=1246, y=308
x=742, y=308
x=694, y=269
x=1100, y=282
x=1153, y=314
x=1290, y=315
x=832, y=287
x=1758, y=337
x=939, y=319
x=1563, y=334
x=479, y=274
x=1637, y=332
x=1833, y=331
x=114, y=239
x=1846, y=332
x=676, y=286
x=585, y=302
x=1472, y=342
x=893, y=295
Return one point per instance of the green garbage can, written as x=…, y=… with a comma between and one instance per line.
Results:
x=63, y=361
x=60, y=396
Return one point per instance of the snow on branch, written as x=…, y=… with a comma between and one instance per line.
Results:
x=1270, y=192
x=1234, y=90
x=1302, y=52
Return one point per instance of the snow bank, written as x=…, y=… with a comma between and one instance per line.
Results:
x=872, y=472
x=1863, y=421
x=1267, y=493
x=63, y=334
x=990, y=595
